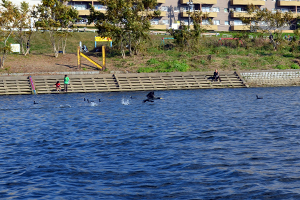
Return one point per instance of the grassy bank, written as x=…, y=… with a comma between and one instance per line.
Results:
x=208, y=54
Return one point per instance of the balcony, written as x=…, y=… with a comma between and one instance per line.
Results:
x=199, y=1
x=210, y=27
x=248, y=2
x=210, y=14
x=162, y=13
x=83, y=25
x=83, y=12
x=288, y=3
x=87, y=12
x=240, y=27
x=161, y=1
x=161, y=27
x=241, y=14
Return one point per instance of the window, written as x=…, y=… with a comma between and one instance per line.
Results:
x=164, y=8
x=238, y=22
x=186, y=8
x=205, y=22
x=227, y=23
x=80, y=6
x=238, y=9
x=226, y=10
x=216, y=22
x=100, y=7
x=216, y=9
x=154, y=22
x=165, y=21
x=176, y=9
x=205, y=9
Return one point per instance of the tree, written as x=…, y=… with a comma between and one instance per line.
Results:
x=127, y=22
x=24, y=32
x=55, y=18
x=8, y=22
x=183, y=37
x=268, y=21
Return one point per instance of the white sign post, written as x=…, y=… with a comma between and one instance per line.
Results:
x=15, y=48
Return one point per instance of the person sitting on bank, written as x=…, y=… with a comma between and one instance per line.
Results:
x=216, y=76
x=57, y=85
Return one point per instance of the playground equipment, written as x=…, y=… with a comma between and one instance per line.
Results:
x=80, y=54
x=220, y=40
x=103, y=39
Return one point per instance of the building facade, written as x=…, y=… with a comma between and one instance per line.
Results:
x=223, y=14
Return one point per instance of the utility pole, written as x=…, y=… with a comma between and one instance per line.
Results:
x=190, y=3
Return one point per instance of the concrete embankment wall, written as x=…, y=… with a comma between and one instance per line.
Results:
x=44, y=84
x=95, y=82
x=266, y=78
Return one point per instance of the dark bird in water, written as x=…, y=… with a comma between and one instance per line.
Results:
x=131, y=97
x=88, y=100
x=83, y=99
x=151, y=97
x=35, y=102
x=257, y=97
x=99, y=100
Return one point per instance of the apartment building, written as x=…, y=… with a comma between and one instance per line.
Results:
x=223, y=14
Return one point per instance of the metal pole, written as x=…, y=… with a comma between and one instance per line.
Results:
x=103, y=57
x=189, y=14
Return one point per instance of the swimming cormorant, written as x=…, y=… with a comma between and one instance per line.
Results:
x=257, y=97
x=151, y=97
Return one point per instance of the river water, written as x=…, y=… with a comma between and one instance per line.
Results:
x=192, y=144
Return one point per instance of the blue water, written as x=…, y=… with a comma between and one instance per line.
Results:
x=192, y=144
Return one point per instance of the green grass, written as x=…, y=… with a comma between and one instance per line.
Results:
x=252, y=54
x=164, y=66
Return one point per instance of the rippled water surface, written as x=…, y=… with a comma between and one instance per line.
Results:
x=192, y=144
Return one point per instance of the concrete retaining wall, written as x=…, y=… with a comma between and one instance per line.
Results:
x=271, y=78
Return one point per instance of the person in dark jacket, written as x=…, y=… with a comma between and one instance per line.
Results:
x=216, y=75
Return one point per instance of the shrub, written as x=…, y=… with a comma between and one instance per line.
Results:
x=294, y=66
x=152, y=61
x=281, y=67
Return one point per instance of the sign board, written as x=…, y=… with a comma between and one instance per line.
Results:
x=15, y=48
x=102, y=39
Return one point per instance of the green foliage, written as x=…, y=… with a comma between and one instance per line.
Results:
x=294, y=66
x=281, y=67
x=127, y=22
x=55, y=18
x=152, y=61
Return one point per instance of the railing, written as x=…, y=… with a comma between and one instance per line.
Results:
x=248, y=2
x=289, y=3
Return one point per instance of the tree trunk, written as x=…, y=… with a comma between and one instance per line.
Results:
x=130, y=53
x=27, y=51
x=64, y=45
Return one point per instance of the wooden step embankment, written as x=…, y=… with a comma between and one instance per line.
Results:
x=15, y=85
x=121, y=82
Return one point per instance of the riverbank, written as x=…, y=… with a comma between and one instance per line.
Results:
x=93, y=81
x=154, y=57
